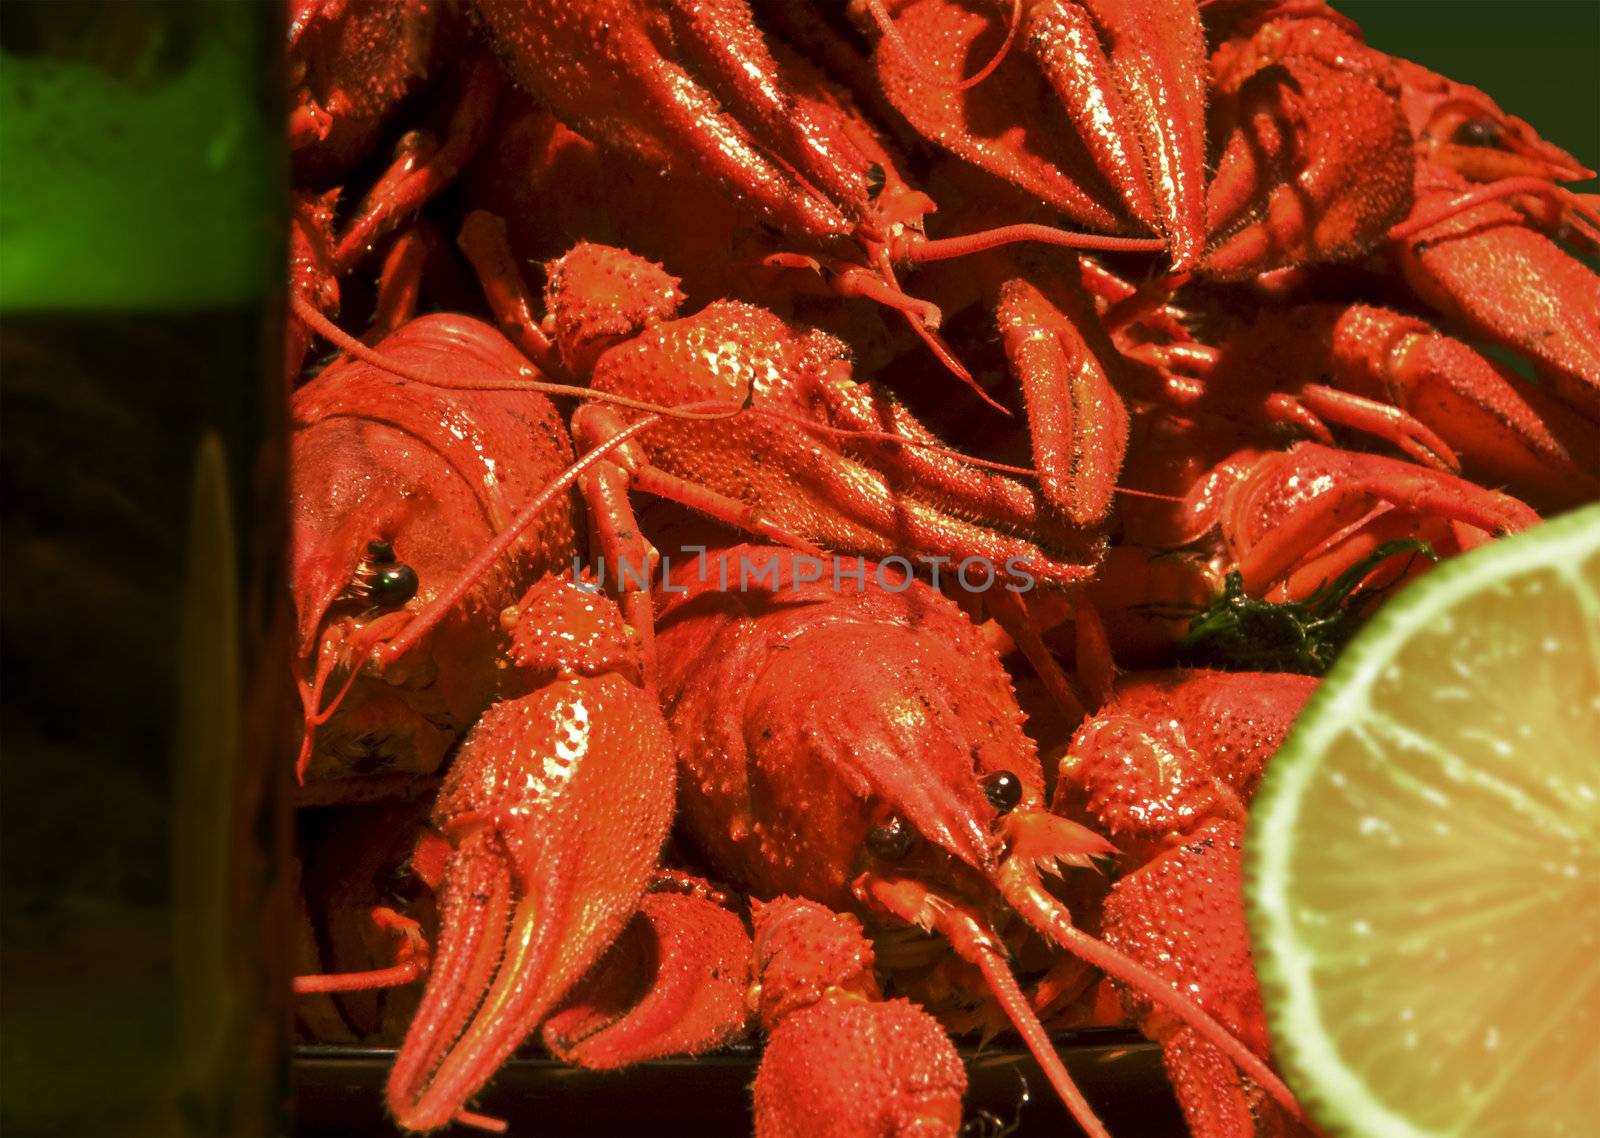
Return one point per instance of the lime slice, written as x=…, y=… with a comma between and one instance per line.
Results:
x=1423, y=859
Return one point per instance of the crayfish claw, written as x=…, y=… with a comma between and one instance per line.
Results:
x=674, y=983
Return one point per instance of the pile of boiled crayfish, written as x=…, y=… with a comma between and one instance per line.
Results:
x=913, y=383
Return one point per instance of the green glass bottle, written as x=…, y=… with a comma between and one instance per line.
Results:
x=142, y=230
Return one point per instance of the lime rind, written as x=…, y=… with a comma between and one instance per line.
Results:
x=1334, y=1091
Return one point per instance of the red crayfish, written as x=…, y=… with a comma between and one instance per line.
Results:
x=1250, y=314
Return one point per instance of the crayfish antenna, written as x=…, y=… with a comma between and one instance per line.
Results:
x=921, y=251
x=891, y=34
x=314, y=713
x=1581, y=212
x=411, y=961
x=1019, y=883
x=376, y=357
x=915, y=903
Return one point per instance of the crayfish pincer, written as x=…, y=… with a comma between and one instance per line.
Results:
x=556, y=805
x=860, y=745
x=545, y=834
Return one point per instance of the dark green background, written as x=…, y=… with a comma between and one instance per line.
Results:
x=1539, y=61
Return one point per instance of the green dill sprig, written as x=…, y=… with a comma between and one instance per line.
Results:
x=1237, y=632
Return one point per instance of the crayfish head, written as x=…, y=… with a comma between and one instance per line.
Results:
x=346, y=577
x=889, y=718
x=1462, y=128
x=397, y=483
x=825, y=731
x=351, y=590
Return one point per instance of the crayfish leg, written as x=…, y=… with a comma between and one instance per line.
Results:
x=1201, y=881
x=968, y=934
x=1018, y=881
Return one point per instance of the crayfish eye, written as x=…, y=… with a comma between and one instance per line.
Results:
x=876, y=180
x=392, y=585
x=892, y=838
x=1003, y=790
x=400, y=884
x=1477, y=132
x=383, y=580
